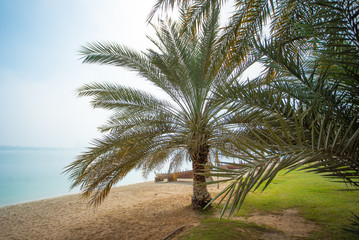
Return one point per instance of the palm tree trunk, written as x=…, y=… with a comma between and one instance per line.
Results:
x=201, y=196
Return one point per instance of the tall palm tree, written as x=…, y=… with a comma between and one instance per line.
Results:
x=303, y=109
x=146, y=131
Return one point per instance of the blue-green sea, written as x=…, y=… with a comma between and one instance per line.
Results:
x=28, y=175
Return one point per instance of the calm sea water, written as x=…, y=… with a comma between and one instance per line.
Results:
x=33, y=175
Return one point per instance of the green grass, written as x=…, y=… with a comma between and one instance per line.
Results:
x=328, y=204
x=318, y=199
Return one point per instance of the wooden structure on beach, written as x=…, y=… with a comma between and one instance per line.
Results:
x=171, y=177
x=174, y=176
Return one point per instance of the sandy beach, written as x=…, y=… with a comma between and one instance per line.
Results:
x=141, y=211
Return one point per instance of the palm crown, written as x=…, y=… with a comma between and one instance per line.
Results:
x=145, y=131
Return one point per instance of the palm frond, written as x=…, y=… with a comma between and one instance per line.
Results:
x=354, y=226
x=302, y=113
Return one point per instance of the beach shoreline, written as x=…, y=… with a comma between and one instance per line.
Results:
x=59, y=196
x=144, y=210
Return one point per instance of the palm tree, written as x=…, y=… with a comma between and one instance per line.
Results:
x=146, y=131
x=303, y=110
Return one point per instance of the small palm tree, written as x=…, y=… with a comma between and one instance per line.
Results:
x=145, y=131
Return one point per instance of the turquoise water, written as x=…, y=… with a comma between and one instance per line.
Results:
x=33, y=175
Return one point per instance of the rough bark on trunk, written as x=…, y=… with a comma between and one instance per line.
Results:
x=201, y=196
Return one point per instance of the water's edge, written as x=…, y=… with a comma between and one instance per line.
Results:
x=65, y=195
x=27, y=176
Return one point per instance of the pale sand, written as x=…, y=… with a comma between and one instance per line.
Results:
x=140, y=211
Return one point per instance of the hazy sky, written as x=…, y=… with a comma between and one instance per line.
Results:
x=40, y=68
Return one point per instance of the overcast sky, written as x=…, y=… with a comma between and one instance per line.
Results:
x=40, y=68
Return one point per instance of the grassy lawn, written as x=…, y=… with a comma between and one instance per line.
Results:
x=326, y=203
